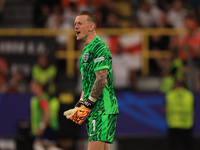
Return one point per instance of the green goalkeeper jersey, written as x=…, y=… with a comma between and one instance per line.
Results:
x=97, y=56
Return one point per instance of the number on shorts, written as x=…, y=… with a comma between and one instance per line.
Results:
x=93, y=122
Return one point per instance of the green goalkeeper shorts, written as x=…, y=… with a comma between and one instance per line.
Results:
x=101, y=127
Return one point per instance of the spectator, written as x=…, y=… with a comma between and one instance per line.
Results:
x=55, y=18
x=174, y=70
x=165, y=5
x=180, y=115
x=55, y=21
x=191, y=40
x=69, y=14
x=89, y=6
x=4, y=70
x=175, y=16
x=42, y=18
x=167, y=81
x=99, y=16
x=175, y=66
x=17, y=84
x=189, y=47
x=41, y=11
x=111, y=21
x=124, y=12
x=45, y=74
x=124, y=69
x=148, y=16
x=162, y=22
x=43, y=124
x=107, y=8
x=159, y=43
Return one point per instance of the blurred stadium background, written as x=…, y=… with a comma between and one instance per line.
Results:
x=144, y=36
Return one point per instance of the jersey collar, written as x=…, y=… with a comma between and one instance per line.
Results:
x=92, y=41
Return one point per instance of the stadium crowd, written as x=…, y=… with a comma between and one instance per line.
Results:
x=183, y=62
x=122, y=14
x=115, y=13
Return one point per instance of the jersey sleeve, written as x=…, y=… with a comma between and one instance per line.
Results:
x=101, y=57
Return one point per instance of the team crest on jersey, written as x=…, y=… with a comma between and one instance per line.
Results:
x=85, y=58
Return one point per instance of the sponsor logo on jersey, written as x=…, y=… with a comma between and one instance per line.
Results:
x=93, y=134
x=85, y=58
x=99, y=59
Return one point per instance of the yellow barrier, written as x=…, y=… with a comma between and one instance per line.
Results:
x=71, y=54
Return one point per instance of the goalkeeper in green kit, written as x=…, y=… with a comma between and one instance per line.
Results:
x=98, y=104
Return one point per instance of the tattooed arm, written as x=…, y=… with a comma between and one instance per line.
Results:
x=99, y=84
x=82, y=109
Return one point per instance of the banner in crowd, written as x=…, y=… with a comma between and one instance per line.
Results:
x=21, y=52
x=130, y=43
x=141, y=114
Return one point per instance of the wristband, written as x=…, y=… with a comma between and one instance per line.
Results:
x=92, y=99
x=89, y=104
x=79, y=103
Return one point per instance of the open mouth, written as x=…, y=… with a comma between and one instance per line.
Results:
x=77, y=33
